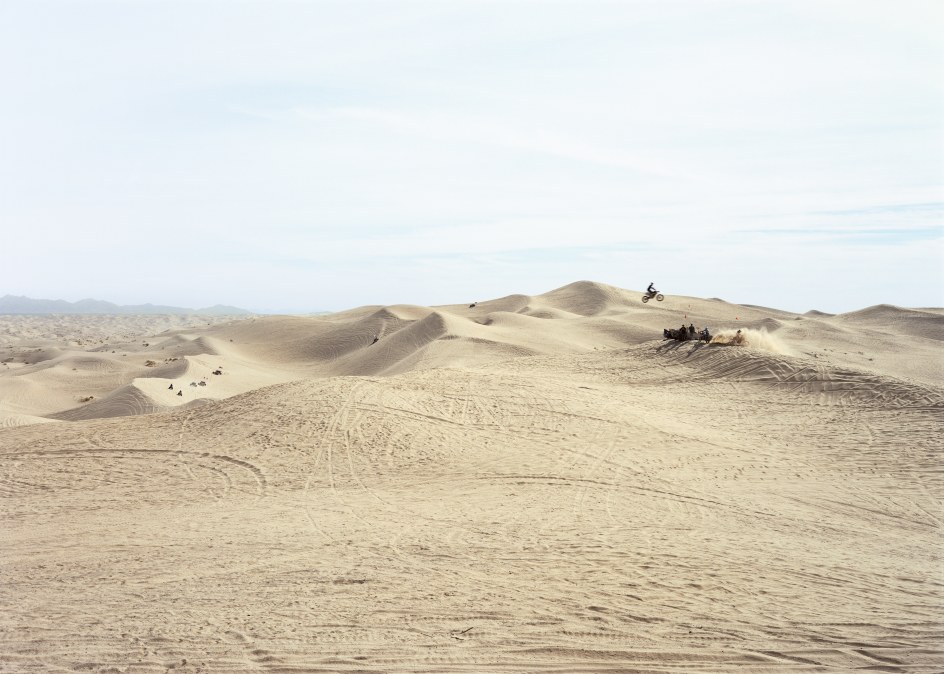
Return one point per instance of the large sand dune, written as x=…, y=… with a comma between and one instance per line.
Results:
x=533, y=483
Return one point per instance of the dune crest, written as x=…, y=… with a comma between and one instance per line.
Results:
x=69, y=379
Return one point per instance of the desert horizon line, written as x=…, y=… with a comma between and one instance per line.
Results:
x=11, y=304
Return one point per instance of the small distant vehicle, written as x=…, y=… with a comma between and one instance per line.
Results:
x=655, y=293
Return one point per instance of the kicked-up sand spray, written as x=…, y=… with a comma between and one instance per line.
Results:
x=755, y=339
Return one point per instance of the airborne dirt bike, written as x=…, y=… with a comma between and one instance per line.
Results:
x=648, y=296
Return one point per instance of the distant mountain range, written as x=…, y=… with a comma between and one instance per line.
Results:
x=12, y=304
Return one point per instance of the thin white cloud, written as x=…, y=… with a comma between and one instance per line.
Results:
x=457, y=128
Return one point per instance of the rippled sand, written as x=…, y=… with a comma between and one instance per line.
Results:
x=536, y=483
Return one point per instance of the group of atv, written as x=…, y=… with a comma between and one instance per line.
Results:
x=684, y=334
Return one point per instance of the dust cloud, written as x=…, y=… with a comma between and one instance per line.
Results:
x=755, y=339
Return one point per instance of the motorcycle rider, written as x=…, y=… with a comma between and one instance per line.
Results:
x=651, y=290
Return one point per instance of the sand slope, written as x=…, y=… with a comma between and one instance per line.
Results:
x=536, y=483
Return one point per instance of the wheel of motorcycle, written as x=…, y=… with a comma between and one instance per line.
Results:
x=645, y=298
x=660, y=297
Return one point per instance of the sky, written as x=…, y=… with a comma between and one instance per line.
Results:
x=310, y=156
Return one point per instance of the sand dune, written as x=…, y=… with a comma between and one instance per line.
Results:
x=534, y=483
x=585, y=298
x=910, y=322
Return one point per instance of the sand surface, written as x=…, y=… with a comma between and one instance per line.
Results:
x=535, y=483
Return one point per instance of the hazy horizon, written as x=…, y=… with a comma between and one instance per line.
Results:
x=262, y=311
x=298, y=157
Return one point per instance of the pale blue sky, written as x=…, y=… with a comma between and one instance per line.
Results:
x=297, y=156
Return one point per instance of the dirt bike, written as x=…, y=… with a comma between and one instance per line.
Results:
x=648, y=296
